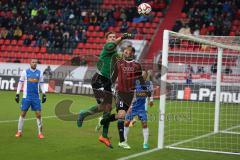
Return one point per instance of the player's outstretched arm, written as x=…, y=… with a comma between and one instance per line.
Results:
x=17, y=98
x=44, y=97
x=124, y=36
x=19, y=87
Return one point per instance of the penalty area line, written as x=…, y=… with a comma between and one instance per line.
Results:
x=139, y=154
x=27, y=119
x=45, y=117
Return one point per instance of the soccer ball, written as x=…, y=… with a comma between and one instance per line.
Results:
x=144, y=9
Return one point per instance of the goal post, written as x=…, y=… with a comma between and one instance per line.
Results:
x=199, y=105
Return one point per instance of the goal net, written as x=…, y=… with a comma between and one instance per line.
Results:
x=200, y=93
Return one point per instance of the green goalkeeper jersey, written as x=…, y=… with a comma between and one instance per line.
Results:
x=104, y=63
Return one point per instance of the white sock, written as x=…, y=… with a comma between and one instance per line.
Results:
x=20, y=124
x=145, y=135
x=39, y=125
x=126, y=130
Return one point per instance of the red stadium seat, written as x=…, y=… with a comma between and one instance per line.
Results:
x=7, y=42
x=20, y=42
x=140, y=25
x=88, y=45
x=100, y=34
x=159, y=14
x=15, y=48
x=76, y=51
x=147, y=25
x=90, y=28
x=81, y=45
x=1, y=41
x=14, y=42
x=9, y=48
x=90, y=40
x=97, y=28
x=36, y=49
x=3, y=48
x=23, y=49
x=156, y=20
x=43, y=50
x=29, y=49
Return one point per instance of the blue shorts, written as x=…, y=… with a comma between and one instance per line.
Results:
x=34, y=103
x=142, y=115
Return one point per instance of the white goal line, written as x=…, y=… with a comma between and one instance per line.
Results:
x=202, y=136
x=173, y=146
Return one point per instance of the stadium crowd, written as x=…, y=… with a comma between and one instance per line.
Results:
x=61, y=24
x=208, y=17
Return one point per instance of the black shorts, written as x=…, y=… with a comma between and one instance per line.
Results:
x=124, y=100
x=105, y=95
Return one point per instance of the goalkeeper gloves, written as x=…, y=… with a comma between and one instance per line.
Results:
x=44, y=98
x=127, y=36
x=17, y=98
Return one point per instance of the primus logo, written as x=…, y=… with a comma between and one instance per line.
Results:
x=205, y=94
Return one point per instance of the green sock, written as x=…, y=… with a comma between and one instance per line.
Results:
x=90, y=111
x=105, y=125
x=105, y=130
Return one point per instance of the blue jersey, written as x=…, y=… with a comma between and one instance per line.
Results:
x=140, y=101
x=31, y=80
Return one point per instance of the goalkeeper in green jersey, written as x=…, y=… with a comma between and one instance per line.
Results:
x=101, y=79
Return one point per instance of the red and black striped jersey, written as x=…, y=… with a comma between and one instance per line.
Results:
x=126, y=73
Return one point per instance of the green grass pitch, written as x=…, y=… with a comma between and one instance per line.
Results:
x=64, y=141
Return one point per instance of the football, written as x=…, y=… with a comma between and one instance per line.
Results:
x=144, y=9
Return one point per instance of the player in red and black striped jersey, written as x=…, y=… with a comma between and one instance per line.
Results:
x=125, y=72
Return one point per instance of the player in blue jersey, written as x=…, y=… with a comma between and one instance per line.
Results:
x=31, y=79
x=138, y=108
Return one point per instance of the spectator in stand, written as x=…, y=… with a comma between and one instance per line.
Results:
x=17, y=33
x=83, y=61
x=84, y=36
x=200, y=69
x=178, y=25
x=123, y=15
x=124, y=26
x=158, y=5
x=214, y=68
x=104, y=25
x=27, y=41
x=111, y=21
x=228, y=70
x=4, y=33
x=39, y=41
x=117, y=14
x=196, y=31
x=93, y=19
x=47, y=73
x=204, y=30
x=189, y=79
x=189, y=69
x=10, y=33
x=185, y=29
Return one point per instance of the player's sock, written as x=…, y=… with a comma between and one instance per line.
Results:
x=108, y=118
x=145, y=135
x=105, y=124
x=39, y=125
x=112, y=118
x=105, y=130
x=121, y=130
x=20, y=123
x=126, y=130
x=90, y=111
